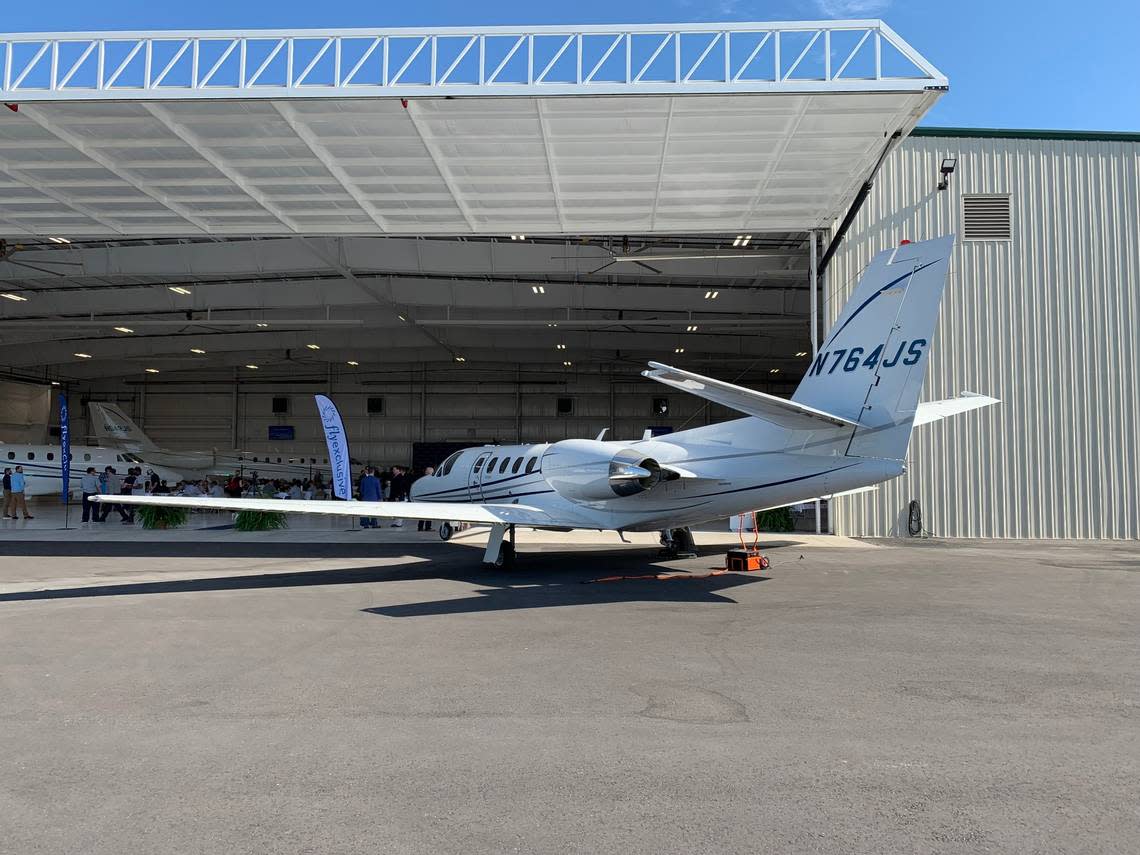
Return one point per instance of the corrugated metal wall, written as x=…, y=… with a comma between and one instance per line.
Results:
x=1047, y=322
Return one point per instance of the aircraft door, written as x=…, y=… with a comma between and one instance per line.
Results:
x=475, y=478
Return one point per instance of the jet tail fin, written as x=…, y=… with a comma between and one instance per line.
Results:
x=870, y=368
x=114, y=428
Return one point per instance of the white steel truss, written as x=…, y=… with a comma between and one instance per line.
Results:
x=786, y=57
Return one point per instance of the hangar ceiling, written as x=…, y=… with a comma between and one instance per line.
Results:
x=134, y=305
x=362, y=199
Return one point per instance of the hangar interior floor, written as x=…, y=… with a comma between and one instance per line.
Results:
x=345, y=697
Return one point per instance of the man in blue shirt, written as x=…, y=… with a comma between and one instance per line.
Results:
x=369, y=492
x=19, y=484
x=90, y=486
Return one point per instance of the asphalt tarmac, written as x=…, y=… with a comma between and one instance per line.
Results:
x=398, y=698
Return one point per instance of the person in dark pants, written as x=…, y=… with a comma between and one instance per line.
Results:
x=7, y=490
x=128, y=489
x=399, y=490
x=369, y=492
x=425, y=525
x=90, y=486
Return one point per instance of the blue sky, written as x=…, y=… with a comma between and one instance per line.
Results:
x=1011, y=63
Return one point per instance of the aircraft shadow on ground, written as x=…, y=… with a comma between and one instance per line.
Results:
x=539, y=580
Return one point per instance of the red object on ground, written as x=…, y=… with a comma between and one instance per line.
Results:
x=15, y=108
x=904, y=242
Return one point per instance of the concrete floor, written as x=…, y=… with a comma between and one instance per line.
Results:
x=203, y=695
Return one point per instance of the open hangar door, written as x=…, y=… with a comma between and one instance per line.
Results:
x=429, y=340
x=457, y=246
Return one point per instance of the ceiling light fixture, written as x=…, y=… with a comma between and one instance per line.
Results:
x=691, y=328
x=711, y=295
x=353, y=363
x=151, y=370
x=402, y=318
x=127, y=330
x=83, y=355
x=178, y=289
x=518, y=237
x=197, y=350
x=55, y=382
x=15, y=298
x=261, y=325
x=773, y=370
x=313, y=346
x=567, y=364
x=59, y=240
x=746, y=239
x=802, y=353
x=538, y=289
x=251, y=366
x=460, y=359
x=678, y=350
x=559, y=347
x=552, y=325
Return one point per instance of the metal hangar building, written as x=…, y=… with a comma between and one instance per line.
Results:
x=470, y=235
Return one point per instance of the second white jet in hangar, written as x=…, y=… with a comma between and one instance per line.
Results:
x=847, y=427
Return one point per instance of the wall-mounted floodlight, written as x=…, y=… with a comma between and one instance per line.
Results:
x=949, y=164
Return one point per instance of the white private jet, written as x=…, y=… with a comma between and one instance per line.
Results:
x=115, y=429
x=847, y=427
x=42, y=465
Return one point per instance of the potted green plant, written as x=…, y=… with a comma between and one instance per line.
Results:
x=259, y=521
x=157, y=516
x=776, y=519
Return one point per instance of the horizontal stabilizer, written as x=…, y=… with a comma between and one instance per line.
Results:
x=785, y=413
x=932, y=411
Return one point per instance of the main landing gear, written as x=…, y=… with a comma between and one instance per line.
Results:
x=678, y=543
x=500, y=552
x=445, y=530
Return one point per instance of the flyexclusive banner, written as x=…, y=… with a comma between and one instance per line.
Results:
x=337, y=442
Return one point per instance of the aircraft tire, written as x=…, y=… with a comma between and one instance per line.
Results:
x=445, y=531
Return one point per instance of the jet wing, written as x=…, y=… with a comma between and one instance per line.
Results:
x=783, y=412
x=933, y=411
x=454, y=511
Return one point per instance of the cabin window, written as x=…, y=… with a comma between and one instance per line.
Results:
x=86, y=457
x=51, y=455
x=531, y=465
x=478, y=466
x=503, y=465
x=491, y=465
x=515, y=468
x=11, y=455
x=31, y=455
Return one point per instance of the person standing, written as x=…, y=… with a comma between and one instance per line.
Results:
x=114, y=487
x=7, y=491
x=19, y=485
x=399, y=490
x=127, y=512
x=89, y=484
x=425, y=525
x=369, y=492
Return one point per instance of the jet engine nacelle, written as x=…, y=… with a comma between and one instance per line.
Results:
x=586, y=470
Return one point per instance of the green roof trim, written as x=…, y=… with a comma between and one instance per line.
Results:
x=1002, y=133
